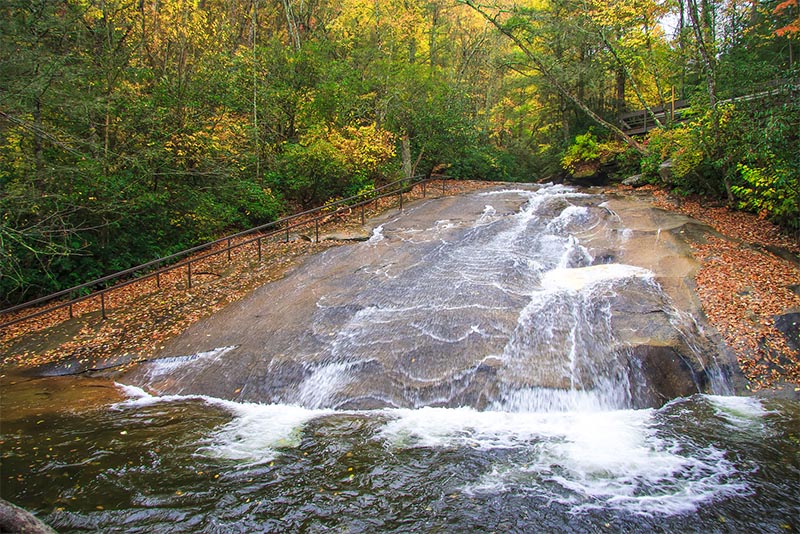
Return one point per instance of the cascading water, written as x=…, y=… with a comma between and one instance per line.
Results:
x=503, y=307
x=505, y=361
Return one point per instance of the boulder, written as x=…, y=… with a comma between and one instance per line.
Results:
x=15, y=519
x=789, y=325
x=665, y=171
x=662, y=373
x=637, y=180
x=357, y=234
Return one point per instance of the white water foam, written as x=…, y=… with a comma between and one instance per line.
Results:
x=442, y=224
x=377, y=235
x=548, y=189
x=256, y=433
x=600, y=399
x=259, y=431
x=574, y=255
x=571, y=215
x=325, y=382
x=740, y=412
x=579, y=278
x=136, y=396
x=165, y=366
x=582, y=460
x=488, y=215
x=626, y=235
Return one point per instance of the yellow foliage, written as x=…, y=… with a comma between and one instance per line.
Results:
x=364, y=148
x=224, y=137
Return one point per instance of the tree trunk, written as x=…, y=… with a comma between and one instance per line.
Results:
x=702, y=36
x=107, y=133
x=291, y=24
x=432, y=38
x=619, y=85
x=408, y=167
x=624, y=73
x=682, y=46
x=701, y=21
x=256, y=135
x=38, y=144
x=630, y=141
x=654, y=66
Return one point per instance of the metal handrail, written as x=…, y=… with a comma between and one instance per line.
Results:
x=319, y=213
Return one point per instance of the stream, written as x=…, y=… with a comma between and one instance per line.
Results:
x=518, y=360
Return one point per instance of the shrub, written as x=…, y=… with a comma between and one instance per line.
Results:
x=700, y=151
x=586, y=154
x=585, y=149
x=746, y=153
x=773, y=193
x=333, y=163
x=481, y=163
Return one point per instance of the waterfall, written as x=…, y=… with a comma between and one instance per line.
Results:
x=511, y=300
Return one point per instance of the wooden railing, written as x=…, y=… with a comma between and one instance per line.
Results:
x=642, y=121
x=310, y=220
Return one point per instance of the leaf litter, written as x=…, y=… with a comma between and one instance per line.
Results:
x=744, y=284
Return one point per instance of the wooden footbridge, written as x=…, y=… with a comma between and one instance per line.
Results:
x=642, y=121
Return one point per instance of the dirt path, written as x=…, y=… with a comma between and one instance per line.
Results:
x=743, y=284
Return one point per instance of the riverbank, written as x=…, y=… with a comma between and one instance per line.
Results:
x=749, y=277
x=743, y=284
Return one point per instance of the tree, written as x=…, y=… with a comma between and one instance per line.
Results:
x=515, y=29
x=792, y=28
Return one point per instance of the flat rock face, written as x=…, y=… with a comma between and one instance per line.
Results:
x=523, y=298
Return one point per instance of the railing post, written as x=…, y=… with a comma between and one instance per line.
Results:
x=259, y=249
x=362, y=215
x=672, y=106
x=70, y=311
x=401, y=200
x=189, y=271
x=287, y=232
x=103, y=304
x=158, y=280
x=229, y=249
x=316, y=228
